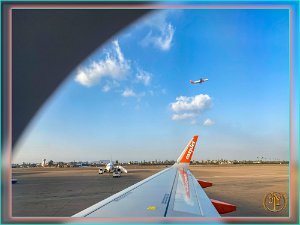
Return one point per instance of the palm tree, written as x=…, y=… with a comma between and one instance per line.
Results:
x=50, y=163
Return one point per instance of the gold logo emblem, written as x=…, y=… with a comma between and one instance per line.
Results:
x=275, y=201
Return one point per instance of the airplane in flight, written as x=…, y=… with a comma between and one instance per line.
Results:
x=110, y=167
x=202, y=80
x=172, y=192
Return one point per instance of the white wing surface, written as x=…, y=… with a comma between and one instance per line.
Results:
x=173, y=192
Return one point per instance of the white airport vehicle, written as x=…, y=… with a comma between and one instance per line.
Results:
x=173, y=192
x=117, y=173
x=101, y=171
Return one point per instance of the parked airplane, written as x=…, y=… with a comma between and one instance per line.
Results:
x=173, y=192
x=110, y=167
x=199, y=81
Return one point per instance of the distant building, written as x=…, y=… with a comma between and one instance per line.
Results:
x=43, y=162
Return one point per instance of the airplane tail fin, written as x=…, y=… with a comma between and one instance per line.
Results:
x=186, y=155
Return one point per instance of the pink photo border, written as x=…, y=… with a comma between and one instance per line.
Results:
x=137, y=6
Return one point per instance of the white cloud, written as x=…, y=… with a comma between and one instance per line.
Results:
x=208, y=122
x=163, y=32
x=183, y=116
x=196, y=103
x=143, y=76
x=114, y=66
x=128, y=93
x=190, y=107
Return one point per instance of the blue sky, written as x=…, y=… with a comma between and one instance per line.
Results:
x=132, y=100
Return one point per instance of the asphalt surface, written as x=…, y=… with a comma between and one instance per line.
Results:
x=63, y=192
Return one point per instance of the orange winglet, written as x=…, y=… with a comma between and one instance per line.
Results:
x=187, y=153
x=204, y=184
x=223, y=207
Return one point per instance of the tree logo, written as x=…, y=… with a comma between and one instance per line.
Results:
x=275, y=201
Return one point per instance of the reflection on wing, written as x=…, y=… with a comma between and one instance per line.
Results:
x=173, y=192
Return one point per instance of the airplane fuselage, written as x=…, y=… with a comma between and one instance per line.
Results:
x=198, y=81
x=109, y=167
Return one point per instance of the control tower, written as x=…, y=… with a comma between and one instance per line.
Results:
x=43, y=162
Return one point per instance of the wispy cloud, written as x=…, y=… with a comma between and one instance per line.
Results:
x=190, y=107
x=106, y=88
x=112, y=71
x=128, y=93
x=184, y=116
x=110, y=85
x=114, y=66
x=162, y=32
x=162, y=41
x=143, y=77
x=208, y=122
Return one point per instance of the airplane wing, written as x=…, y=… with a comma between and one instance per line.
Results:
x=173, y=192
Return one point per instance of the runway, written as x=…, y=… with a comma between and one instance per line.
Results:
x=63, y=192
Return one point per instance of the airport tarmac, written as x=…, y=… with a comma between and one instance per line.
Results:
x=63, y=192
